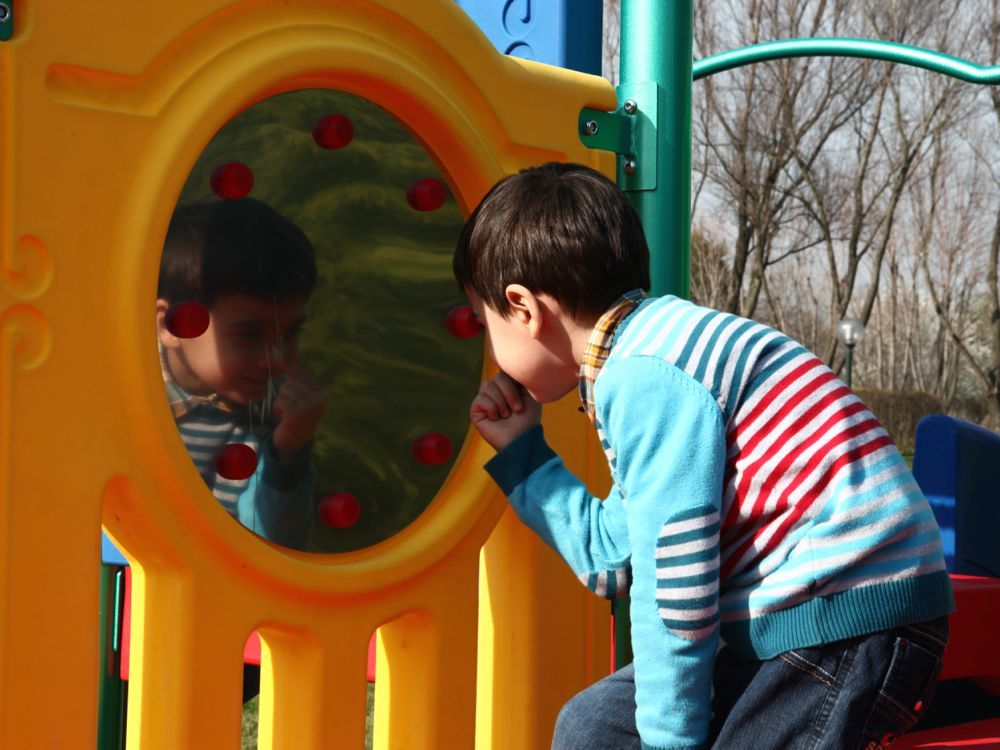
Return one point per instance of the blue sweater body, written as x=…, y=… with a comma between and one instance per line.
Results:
x=755, y=499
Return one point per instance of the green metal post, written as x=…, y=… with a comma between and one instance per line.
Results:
x=111, y=688
x=656, y=73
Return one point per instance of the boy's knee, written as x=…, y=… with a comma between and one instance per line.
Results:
x=575, y=726
x=602, y=716
x=564, y=736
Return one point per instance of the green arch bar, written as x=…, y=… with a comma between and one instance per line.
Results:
x=866, y=48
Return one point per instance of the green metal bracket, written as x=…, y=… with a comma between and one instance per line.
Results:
x=629, y=131
x=642, y=103
x=6, y=19
x=608, y=131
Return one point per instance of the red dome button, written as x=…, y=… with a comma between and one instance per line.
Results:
x=187, y=320
x=333, y=131
x=427, y=194
x=233, y=180
x=236, y=461
x=432, y=448
x=340, y=510
x=461, y=322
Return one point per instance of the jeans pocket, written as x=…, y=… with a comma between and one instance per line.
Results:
x=932, y=634
x=820, y=663
x=905, y=693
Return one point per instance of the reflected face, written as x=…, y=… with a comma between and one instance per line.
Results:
x=249, y=342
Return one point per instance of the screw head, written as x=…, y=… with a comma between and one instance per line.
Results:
x=629, y=166
x=590, y=127
x=631, y=107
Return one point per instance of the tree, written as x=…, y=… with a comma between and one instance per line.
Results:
x=974, y=329
x=826, y=187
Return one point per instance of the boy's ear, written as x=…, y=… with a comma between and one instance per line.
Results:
x=526, y=308
x=162, y=332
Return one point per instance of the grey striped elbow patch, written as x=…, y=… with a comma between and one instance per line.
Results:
x=687, y=573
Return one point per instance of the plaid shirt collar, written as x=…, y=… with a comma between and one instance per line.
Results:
x=182, y=402
x=599, y=346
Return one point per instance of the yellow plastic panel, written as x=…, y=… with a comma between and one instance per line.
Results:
x=104, y=108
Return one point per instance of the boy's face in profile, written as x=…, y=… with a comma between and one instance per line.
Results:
x=543, y=365
x=249, y=341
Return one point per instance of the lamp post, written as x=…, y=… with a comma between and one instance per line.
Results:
x=849, y=333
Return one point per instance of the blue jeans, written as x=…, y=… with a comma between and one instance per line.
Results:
x=857, y=693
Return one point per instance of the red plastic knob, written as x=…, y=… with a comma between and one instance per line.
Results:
x=333, y=131
x=232, y=180
x=340, y=510
x=236, y=461
x=461, y=322
x=427, y=194
x=187, y=320
x=432, y=448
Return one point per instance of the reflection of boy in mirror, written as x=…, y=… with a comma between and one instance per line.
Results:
x=253, y=270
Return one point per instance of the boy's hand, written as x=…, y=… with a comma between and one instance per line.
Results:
x=502, y=411
x=299, y=406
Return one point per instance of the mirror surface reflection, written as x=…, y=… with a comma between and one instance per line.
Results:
x=315, y=348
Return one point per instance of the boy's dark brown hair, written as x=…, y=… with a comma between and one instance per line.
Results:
x=559, y=229
x=216, y=246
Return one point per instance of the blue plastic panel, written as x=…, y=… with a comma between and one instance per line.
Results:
x=955, y=464
x=566, y=33
x=110, y=554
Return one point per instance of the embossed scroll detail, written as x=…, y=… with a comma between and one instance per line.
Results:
x=25, y=339
x=27, y=270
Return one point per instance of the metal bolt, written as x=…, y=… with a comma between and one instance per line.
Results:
x=590, y=127
x=629, y=166
x=4, y=12
x=631, y=107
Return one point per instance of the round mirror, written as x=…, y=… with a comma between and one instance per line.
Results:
x=317, y=353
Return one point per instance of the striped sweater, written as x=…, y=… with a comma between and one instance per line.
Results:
x=276, y=501
x=755, y=498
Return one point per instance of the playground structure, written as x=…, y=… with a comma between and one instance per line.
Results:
x=104, y=116
x=481, y=633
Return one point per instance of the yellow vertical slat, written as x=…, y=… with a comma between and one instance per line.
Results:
x=313, y=688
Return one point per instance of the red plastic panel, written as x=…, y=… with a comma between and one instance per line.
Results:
x=973, y=645
x=976, y=734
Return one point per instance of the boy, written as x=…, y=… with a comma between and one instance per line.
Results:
x=253, y=270
x=756, y=500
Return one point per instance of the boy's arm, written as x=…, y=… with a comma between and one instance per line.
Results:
x=278, y=503
x=278, y=500
x=668, y=437
x=589, y=534
x=298, y=407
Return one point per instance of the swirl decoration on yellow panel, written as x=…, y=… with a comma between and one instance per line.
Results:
x=26, y=334
x=27, y=271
